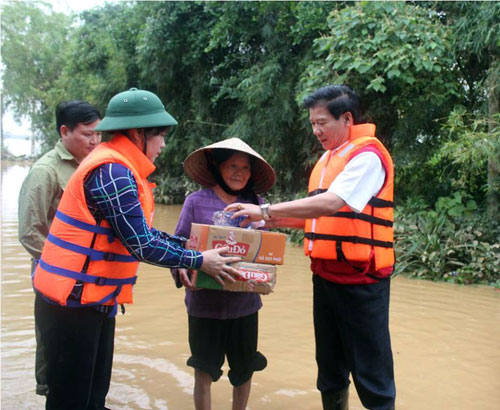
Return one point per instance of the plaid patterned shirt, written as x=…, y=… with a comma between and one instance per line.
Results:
x=111, y=194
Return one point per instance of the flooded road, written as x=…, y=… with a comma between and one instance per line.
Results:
x=446, y=338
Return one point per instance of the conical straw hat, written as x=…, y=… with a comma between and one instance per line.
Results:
x=196, y=166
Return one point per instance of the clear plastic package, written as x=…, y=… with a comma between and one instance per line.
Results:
x=223, y=218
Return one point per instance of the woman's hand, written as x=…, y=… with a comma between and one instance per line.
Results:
x=185, y=277
x=217, y=266
x=188, y=278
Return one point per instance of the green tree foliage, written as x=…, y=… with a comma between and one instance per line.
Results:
x=243, y=68
x=34, y=40
x=102, y=58
x=464, y=154
x=398, y=58
x=236, y=77
x=174, y=65
x=476, y=47
x=475, y=28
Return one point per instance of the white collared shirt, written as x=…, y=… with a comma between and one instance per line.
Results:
x=361, y=179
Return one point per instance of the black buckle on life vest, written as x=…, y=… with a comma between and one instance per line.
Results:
x=100, y=281
x=108, y=257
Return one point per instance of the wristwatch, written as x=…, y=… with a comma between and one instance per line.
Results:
x=265, y=211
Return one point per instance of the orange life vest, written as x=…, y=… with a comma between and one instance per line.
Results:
x=347, y=236
x=79, y=249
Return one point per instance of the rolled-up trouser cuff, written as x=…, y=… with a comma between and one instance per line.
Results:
x=215, y=373
x=259, y=363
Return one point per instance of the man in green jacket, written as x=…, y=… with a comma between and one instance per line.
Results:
x=44, y=185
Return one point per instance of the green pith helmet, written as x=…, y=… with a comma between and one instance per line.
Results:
x=135, y=109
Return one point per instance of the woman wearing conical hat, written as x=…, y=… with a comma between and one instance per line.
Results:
x=222, y=323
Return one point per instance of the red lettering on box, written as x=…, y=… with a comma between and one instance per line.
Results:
x=253, y=275
x=238, y=249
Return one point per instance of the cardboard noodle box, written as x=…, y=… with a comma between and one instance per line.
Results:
x=251, y=244
x=256, y=277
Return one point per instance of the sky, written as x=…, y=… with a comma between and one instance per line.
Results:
x=66, y=6
x=13, y=127
x=61, y=6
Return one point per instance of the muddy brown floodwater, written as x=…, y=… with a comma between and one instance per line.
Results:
x=446, y=338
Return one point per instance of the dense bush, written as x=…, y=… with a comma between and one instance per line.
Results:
x=173, y=190
x=452, y=242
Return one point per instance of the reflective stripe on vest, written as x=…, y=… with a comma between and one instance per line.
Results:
x=346, y=235
x=98, y=280
x=75, y=303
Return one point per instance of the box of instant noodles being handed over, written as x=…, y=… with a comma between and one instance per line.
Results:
x=251, y=245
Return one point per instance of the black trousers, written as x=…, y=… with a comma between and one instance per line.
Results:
x=351, y=325
x=211, y=340
x=40, y=366
x=79, y=346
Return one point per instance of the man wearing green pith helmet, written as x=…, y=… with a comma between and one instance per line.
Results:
x=101, y=231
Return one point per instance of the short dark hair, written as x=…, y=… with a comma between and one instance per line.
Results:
x=71, y=113
x=152, y=131
x=220, y=155
x=338, y=99
x=148, y=131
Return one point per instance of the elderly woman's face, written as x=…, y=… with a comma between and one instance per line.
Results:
x=236, y=171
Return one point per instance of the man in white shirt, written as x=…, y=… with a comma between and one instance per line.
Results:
x=347, y=220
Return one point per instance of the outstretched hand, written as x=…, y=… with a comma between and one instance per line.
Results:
x=217, y=265
x=252, y=212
